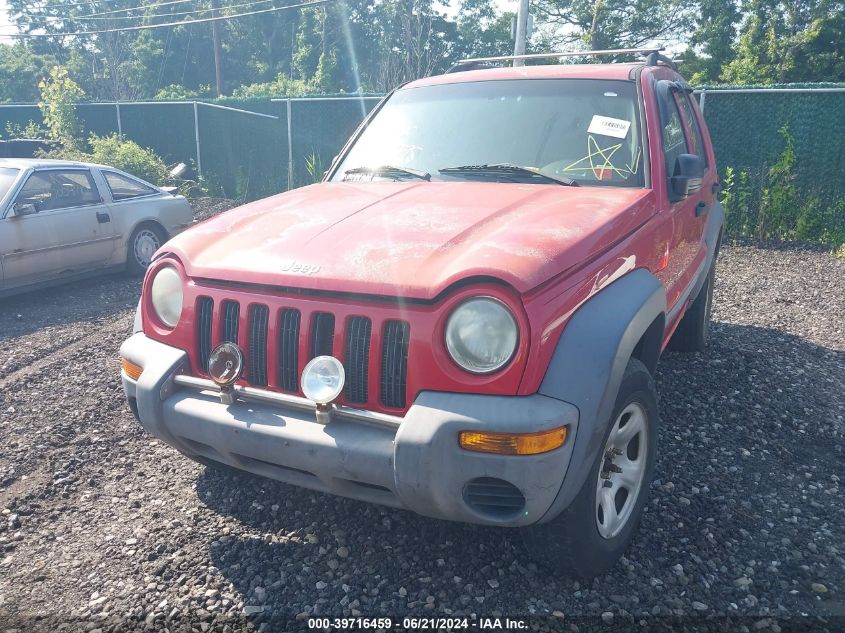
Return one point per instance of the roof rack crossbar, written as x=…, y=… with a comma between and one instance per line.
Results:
x=619, y=51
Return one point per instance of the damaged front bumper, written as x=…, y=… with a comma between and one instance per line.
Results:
x=412, y=462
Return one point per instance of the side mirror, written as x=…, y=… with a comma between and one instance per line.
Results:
x=686, y=177
x=24, y=208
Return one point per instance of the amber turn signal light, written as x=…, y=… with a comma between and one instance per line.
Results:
x=513, y=443
x=132, y=370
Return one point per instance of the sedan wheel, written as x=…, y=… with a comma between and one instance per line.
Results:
x=146, y=244
x=622, y=471
x=143, y=244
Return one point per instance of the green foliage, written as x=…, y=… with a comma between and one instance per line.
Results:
x=21, y=69
x=59, y=95
x=314, y=166
x=30, y=130
x=779, y=202
x=175, y=92
x=604, y=24
x=821, y=224
x=128, y=156
x=116, y=152
x=784, y=42
x=281, y=86
x=737, y=202
x=712, y=42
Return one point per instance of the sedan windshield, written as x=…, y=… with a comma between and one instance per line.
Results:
x=582, y=130
x=8, y=175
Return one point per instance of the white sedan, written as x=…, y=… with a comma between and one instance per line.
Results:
x=62, y=220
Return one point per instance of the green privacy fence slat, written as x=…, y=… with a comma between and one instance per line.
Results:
x=320, y=127
x=745, y=131
x=18, y=115
x=244, y=154
x=744, y=128
x=167, y=129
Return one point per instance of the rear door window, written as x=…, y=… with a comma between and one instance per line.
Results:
x=125, y=188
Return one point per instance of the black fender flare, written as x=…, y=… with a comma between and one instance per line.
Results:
x=589, y=362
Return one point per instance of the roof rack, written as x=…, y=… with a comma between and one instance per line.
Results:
x=653, y=57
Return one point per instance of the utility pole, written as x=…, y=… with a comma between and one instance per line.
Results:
x=215, y=36
x=521, y=32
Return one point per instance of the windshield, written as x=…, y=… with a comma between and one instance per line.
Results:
x=8, y=175
x=581, y=129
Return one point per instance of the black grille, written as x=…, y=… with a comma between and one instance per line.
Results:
x=231, y=314
x=289, y=349
x=322, y=336
x=259, y=317
x=357, y=358
x=496, y=498
x=394, y=363
x=205, y=309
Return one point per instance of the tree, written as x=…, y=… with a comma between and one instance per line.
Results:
x=713, y=37
x=606, y=24
x=59, y=96
x=482, y=31
x=784, y=42
x=20, y=71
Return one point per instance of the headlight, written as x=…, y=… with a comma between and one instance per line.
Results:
x=166, y=294
x=481, y=335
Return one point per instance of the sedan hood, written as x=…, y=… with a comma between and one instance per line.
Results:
x=410, y=239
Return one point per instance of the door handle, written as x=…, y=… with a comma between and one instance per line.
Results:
x=717, y=186
x=701, y=208
x=102, y=218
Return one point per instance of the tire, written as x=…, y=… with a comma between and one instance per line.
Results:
x=694, y=329
x=583, y=541
x=145, y=240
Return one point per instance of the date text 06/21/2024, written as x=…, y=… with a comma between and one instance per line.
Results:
x=417, y=623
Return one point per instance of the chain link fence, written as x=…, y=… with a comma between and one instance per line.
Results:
x=781, y=154
x=780, y=150
x=243, y=149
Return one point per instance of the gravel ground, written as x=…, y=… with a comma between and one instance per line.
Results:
x=107, y=529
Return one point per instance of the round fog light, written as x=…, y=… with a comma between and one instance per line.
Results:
x=322, y=379
x=225, y=364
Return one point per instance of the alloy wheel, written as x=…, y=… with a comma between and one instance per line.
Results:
x=146, y=244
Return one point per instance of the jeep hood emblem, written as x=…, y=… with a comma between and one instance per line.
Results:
x=301, y=268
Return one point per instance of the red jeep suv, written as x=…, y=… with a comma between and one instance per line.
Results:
x=463, y=319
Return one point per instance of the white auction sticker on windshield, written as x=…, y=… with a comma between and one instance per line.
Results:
x=604, y=125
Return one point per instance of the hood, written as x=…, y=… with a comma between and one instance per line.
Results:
x=410, y=239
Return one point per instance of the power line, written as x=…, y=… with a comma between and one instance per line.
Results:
x=166, y=24
x=88, y=3
x=127, y=9
x=75, y=18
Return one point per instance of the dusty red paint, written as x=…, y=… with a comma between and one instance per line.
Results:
x=412, y=250
x=412, y=238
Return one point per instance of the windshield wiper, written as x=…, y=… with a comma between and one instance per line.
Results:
x=505, y=169
x=390, y=171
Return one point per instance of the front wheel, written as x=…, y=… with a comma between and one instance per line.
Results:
x=587, y=538
x=143, y=243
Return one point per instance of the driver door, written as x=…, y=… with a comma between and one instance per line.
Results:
x=57, y=225
x=683, y=245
